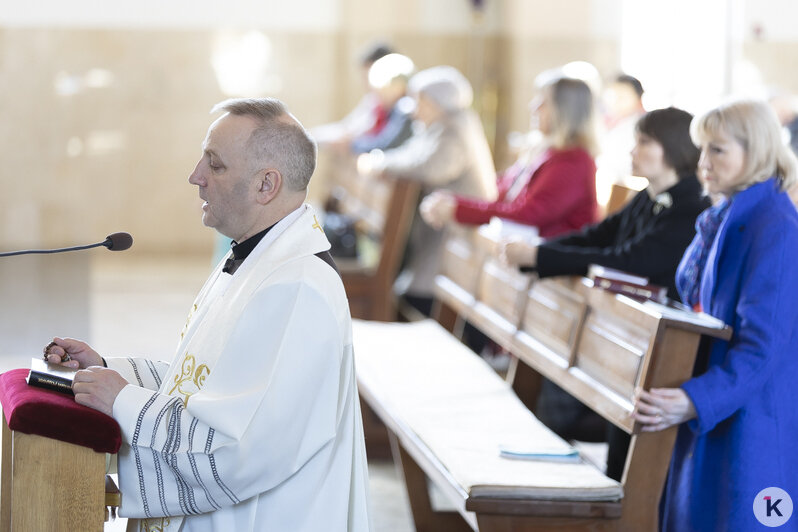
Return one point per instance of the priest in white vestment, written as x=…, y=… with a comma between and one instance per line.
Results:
x=255, y=425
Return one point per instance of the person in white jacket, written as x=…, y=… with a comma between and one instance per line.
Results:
x=448, y=151
x=255, y=424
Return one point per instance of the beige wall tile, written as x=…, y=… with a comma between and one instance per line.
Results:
x=102, y=127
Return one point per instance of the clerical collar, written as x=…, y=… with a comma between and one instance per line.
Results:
x=242, y=250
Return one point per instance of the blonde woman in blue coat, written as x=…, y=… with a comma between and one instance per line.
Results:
x=737, y=416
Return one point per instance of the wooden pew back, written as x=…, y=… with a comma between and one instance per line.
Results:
x=383, y=211
x=598, y=346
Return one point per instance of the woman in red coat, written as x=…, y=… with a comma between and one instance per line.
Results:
x=555, y=189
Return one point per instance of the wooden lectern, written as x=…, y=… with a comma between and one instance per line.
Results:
x=53, y=459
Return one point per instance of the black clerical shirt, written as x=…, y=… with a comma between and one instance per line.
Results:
x=242, y=250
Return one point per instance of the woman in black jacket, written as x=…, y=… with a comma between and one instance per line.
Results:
x=647, y=238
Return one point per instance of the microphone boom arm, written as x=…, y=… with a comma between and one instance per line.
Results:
x=45, y=251
x=114, y=242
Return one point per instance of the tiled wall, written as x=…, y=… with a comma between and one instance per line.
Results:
x=101, y=129
x=103, y=116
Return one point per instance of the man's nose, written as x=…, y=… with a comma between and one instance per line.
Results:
x=195, y=178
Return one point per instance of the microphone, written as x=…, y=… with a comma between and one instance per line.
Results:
x=114, y=242
x=118, y=241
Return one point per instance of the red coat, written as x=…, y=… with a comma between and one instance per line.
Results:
x=559, y=195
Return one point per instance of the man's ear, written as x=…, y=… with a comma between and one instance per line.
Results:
x=269, y=184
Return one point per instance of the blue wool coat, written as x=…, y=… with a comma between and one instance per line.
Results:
x=745, y=437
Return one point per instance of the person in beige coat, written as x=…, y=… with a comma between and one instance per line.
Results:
x=448, y=150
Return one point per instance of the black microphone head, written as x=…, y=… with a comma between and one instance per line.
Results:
x=118, y=241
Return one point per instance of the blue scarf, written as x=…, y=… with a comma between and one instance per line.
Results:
x=688, y=276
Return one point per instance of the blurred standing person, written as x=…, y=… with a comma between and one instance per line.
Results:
x=388, y=78
x=737, y=425
x=786, y=110
x=622, y=107
x=449, y=150
x=554, y=189
x=366, y=114
x=623, y=101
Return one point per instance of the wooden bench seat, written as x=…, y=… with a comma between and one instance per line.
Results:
x=449, y=412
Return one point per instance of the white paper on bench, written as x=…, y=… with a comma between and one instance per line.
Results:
x=464, y=412
x=499, y=229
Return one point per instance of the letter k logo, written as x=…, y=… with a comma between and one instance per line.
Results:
x=772, y=506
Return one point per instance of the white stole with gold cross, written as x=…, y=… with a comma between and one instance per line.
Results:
x=211, y=319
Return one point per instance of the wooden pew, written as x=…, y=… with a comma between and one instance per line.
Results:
x=383, y=211
x=622, y=192
x=448, y=412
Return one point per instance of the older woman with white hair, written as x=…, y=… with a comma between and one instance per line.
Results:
x=553, y=188
x=449, y=150
x=737, y=417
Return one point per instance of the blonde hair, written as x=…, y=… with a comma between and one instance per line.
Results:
x=573, y=119
x=753, y=124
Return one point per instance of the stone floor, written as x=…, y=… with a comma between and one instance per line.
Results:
x=127, y=304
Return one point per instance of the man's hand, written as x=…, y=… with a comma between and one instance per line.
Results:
x=97, y=387
x=82, y=356
x=661, y=408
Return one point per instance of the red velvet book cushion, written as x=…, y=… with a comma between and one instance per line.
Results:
x=55, y=415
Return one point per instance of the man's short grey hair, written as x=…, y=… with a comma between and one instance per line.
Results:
x=278, y=141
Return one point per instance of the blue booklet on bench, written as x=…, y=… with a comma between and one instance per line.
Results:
x=540, y=454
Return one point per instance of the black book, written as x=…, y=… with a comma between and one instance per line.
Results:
x=51, y=376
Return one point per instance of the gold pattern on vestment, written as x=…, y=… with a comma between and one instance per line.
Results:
x=316, y=224
x=190, y=379
x=154, y=524
x=188, y=321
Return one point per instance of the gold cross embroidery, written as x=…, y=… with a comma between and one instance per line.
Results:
x=316, y=224
x=190, y=379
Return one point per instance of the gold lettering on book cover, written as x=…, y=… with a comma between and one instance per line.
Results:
x=191, y=378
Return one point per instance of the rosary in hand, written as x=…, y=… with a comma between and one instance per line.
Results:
x=64, y=358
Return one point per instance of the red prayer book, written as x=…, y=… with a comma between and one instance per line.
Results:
x=630, y=285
